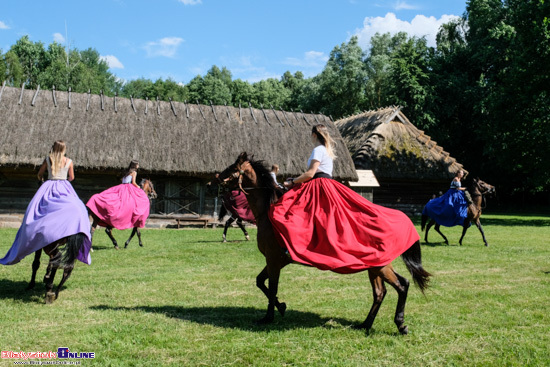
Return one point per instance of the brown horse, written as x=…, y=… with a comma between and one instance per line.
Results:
x=60, y=257
x=253, y=178
x=147, y=186
x=478, y=190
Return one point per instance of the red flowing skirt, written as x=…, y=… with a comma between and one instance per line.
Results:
x=325, y=224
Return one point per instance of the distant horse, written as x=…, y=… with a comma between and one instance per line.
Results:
x=60, y=257
x=147, y=186
x=478, y=190
x=261, y=192
x=235, y=204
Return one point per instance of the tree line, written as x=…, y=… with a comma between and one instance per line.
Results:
x=483, y=93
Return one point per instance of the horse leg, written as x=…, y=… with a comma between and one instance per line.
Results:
x=464, y=229
x=35, y=266
x=401, y=285
x=92, y=230
x=226, y=226
x=132, y=236
x=55, y=259
x=378, y=294
x=430, y=224
x=478, y=224
x=241, y=226
x=139, y=237
x=260, y=283
x=108, y=231
x=437, y=226
x=66, y=274
x=273, y=268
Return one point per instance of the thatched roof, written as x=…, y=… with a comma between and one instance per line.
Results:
x=386, y=142
x=166, y=137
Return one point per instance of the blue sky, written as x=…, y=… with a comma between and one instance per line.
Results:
x=254, y=39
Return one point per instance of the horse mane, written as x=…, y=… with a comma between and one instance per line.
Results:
x=265, y=181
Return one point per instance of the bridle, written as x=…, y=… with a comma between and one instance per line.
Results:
x=482, y=192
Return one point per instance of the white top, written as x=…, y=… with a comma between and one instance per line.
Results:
x=320, y=154
x=61, y=174
x=127, y=179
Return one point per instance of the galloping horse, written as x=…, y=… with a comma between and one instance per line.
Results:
x=147, y=186
x=60, y=257
x=261, y=192
x=477, y=189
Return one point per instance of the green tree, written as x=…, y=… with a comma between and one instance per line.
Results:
x=31, y=57
x=13, y=74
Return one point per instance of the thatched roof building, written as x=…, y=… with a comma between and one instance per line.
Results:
x=170, y=139
x=409, y=165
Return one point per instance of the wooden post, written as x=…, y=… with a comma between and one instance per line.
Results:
x=146, y=104
x=262, y=106
x=35, y=95
x=70, y=89
x=132, y=102
x=158, y=106
x=115, y=102
x=304, y=116
x=227, y=111
x=252, y=112
x=200, y=109
x=88, y=101
x=186, y=108
x=286, y=118
x=2, y=91
x=53, y=95
x=173, y=107
x=101, y=95
x=213, y=111
x=21, y=95
x=272, y=109
x=240, y=118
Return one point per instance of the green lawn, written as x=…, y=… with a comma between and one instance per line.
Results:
x=187, y=299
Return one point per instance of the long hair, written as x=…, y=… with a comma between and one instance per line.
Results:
x=132, y=167
x=57, y=152
x=324, y=138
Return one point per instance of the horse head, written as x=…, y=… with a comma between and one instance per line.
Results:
x=148, y=187
x=234, y=174
x=483, y=187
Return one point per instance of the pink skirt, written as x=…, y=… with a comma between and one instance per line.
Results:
x=123, y=206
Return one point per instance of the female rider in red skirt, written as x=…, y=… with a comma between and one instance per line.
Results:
x=327, y=225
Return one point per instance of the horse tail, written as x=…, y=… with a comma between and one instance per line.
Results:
x=72, y=248
x=413, y=260
x=424, y=220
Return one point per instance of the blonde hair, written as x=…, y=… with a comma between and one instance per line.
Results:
x=324, y=138
x=57, y=152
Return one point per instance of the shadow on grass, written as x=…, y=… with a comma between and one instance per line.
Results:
x=510, y=222
x=243, y=318
x=17, y=290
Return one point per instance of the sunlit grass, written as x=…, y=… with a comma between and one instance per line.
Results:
x=187, y=299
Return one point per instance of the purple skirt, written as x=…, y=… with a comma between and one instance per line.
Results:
x=54, y=212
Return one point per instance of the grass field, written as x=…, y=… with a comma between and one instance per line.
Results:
x=186, y=299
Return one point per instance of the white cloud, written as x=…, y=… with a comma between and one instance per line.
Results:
x=311, y=59
x=402, y=5
x=190, y=2
x=420, y=26
x=3, y=25
x=58, y=37
x=112, y=61
x=165, y=47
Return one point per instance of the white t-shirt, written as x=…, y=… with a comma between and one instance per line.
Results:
x=320, y=154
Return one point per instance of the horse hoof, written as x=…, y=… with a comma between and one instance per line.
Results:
x=126, y=245
x=30, y=286
x=141, y=245
x=247, y=237
x=50, y=297
x=116, y=247
x=404, y=330
x=281, y=308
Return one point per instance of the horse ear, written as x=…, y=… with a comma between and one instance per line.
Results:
x=243, y=157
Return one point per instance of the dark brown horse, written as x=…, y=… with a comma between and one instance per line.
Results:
x=478, y=190
x=62, y=254
x=147, y=186
x=253, y=178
